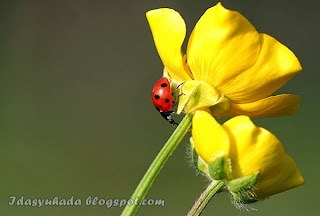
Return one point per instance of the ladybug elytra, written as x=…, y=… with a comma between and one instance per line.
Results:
x=162, y=99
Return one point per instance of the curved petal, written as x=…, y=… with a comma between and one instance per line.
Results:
x=255, y=149
x=210, y=138
x=279, y=105
x=222, y=45
x=169, y=30
x=276, y=65
x=288, y=177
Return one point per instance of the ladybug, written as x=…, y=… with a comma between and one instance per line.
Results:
x=162, y=99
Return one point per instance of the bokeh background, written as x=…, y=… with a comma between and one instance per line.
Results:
x=76, y=114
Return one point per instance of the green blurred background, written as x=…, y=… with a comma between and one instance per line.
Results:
x=76, y=113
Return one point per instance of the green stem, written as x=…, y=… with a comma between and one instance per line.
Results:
x=205, y=197
x=154, y=169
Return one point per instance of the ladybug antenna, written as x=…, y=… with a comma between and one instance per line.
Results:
x=175, y=100
x=177, y=88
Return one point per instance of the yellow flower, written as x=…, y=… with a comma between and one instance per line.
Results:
x=250, y=150
x=228, y=66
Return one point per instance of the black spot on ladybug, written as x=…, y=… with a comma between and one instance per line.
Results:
x=156, y=97
x=164, y=85
x=167, y=100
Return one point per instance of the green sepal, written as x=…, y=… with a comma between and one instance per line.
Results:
x=218, y=168
x=243, y=198
x=198, y=162
x=243, y=184
x=196, y=95
x=242, y=189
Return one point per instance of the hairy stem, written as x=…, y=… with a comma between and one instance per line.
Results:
x=205, y=197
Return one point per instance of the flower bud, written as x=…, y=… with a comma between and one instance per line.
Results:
x=250, y=159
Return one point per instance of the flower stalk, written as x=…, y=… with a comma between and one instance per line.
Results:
x=156, y=166
x=205, y=197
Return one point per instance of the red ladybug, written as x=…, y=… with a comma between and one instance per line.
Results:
x=162, y=99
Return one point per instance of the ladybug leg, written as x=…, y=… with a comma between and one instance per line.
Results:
x=169, y=112
x=168, y=117
x=166, y=113
x=177, y=88
x=175, y=100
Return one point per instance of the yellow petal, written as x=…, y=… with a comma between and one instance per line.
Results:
x=219, y=109
x=169, y=30
x=279, y=105
x=210, y=138
x=222, y=44
x=276, y=65
x=256, y=149
x=288, y=177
